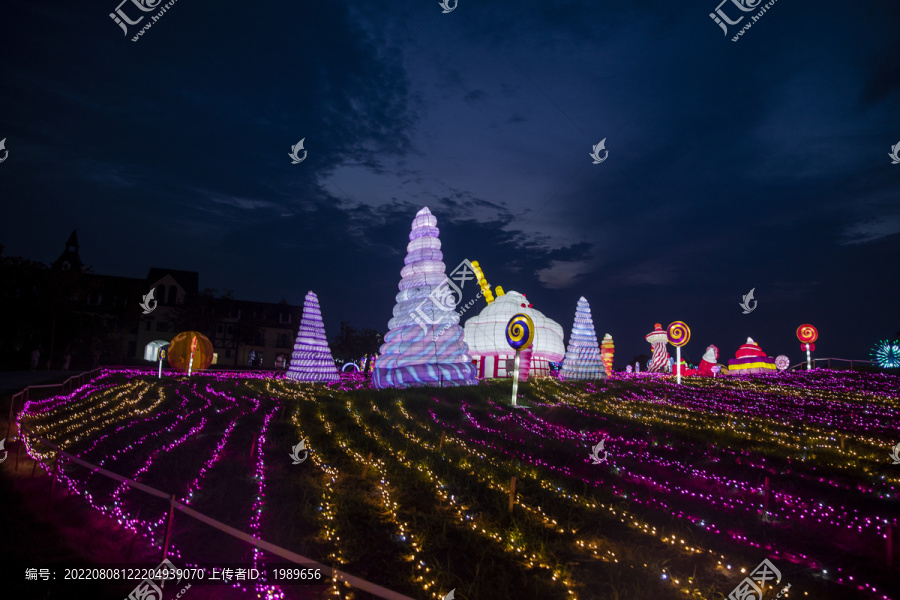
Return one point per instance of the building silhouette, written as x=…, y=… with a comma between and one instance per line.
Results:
x=99, y=318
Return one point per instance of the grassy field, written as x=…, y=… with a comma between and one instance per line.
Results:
x=697, y=484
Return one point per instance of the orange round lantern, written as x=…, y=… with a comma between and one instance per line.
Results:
x=180, y=351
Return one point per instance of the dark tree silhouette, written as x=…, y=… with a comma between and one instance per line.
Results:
x=352, y=344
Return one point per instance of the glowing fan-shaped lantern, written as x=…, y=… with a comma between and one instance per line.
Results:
x=187, y=344
x=424, y=345
x=583, y=353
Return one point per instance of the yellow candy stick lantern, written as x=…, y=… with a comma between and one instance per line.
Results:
x=485, y=286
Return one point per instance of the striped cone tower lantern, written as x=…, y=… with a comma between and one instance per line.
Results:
x=582, y=359
x=607, y=349
x=311, y=359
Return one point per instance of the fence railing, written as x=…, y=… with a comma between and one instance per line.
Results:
x=336, y=574
x=27, y=392
x=827, y=361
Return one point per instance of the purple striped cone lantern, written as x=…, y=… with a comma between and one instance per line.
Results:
x=425, y=345
x=311, y=359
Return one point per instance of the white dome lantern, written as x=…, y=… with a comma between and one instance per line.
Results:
x=485, y=334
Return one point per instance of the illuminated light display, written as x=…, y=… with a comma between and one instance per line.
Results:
x=424, y=344
x=886, y=354
x=679, y=334
x=151, y=350
x=782, y=362
x=190, y=350
x=807, y=334
x=607, y=351
x=519, y=336
x=520, y=332
x=750, y=358
x=657, y=338
x=710, y=357
x=312, y=359
x=482, y=282
x=486, y=338
x=715, y=491
x=582, y=360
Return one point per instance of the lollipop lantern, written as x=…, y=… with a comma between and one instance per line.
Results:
x=679, y=334
x=520, y=332
x=161, y=356
x=807, y=334
x=519, y=335
x=193, y=349
x=782, y=362
x=189, y=348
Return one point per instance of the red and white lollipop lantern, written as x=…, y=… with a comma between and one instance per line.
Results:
x=807, y=334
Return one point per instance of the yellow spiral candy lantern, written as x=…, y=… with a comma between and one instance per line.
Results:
x=679, y=334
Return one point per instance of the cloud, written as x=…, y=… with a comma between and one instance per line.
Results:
x=237, y=202
x=561, y=275
x=872, y=229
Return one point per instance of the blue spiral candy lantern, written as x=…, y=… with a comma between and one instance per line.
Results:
x=520, y=332
x=519, y=335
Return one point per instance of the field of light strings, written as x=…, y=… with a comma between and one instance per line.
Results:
x=411, y=489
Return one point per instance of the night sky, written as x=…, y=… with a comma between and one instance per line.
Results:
x=761, y=163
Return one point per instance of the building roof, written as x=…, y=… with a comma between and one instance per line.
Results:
x=70, y=254
x=189, y=280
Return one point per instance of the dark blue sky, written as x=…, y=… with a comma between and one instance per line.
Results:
x=761, y=163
